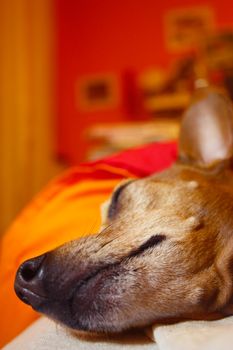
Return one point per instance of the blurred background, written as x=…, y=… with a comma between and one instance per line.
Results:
x=82, y=79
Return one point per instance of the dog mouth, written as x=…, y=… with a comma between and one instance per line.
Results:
x=29, y=297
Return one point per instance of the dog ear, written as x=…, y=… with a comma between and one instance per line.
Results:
x=206, y=136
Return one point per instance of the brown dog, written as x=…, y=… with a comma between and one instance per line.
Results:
x=165, y=251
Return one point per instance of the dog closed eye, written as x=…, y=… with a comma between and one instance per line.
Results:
x=115, y=198
x=150, y=243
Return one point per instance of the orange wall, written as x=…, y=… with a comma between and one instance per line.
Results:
x=110, y=36
x=26, y=103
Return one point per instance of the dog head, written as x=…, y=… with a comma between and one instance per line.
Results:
x=165, y=249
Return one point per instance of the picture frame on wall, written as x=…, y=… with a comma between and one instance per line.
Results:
x=186, y=28
x=97, y=92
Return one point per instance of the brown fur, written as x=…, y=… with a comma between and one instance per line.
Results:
x=165, y=250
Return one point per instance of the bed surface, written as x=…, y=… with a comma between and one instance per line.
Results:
x=46, y=335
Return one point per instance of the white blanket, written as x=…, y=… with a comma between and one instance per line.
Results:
x=193, y=335
x=46, y=335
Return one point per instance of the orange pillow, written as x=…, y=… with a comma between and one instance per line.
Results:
x=69, y=208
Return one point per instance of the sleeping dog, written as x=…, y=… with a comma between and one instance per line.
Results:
x=165, y=249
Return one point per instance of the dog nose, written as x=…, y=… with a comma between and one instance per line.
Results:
x=29, y=280
x=30, y=269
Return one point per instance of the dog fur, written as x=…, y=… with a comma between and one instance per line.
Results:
x=165, y=249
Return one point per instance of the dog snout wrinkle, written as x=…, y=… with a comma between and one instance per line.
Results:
x=150, y=243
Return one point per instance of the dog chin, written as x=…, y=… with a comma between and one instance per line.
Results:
x=88, y=322
x=95, y=306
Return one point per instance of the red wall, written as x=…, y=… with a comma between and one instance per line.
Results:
x=110, y=36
